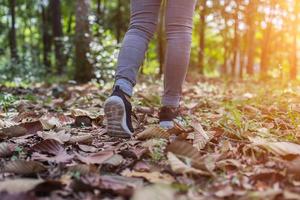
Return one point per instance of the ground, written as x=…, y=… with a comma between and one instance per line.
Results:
x=235, y=140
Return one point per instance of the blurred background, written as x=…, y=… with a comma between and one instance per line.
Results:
x=59, y=40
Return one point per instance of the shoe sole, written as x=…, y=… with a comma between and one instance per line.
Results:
x=115, y=113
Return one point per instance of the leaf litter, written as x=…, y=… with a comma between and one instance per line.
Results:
x=230, y=143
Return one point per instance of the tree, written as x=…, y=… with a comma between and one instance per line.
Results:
x=265, y=53
x=46, y=37
x=236, y=39
x=12, y=32
x=251, y=12
x=202, y=26
x=57, y=35
x=84, y=70
x=294, y=63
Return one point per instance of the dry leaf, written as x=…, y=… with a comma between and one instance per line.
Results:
x=155, y=192
x=179, y=166
x=115, y=160
x=13, y=131
x=60, y=136
x=201, y=137
x=7, y=149
x=278, y=148
x=153, y=177
x=153, y=132
x=19, y=185
x=184, y=149
x=83, y=169
x=95, y=158
x=52, y=147
x=50, y=123
x=22, y=167
x=82, y=138
x=121, y=185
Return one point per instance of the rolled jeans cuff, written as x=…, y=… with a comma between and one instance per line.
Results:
x=171, y=101
x=125, y=85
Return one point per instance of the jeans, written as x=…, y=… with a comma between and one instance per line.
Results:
x=143, y=24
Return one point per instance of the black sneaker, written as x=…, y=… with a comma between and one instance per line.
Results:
x=166, y=117
x=118, y=111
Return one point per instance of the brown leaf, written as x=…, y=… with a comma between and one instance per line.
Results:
x=50, y=123
x=95, y=158
x=82, y=138
x=22, y=167
x=60, y=136
x=115, y=160
x=121, y=185
x=83, y=169
x=153, y=132
x=157, y=192
x=153, y=177
x=278, y=148
x=293, y=167
x=7, y=149
x=52, y=147
x=182, y=148
x=13, y=131
x=19, y=185
x=179, y=166
x=201, y=137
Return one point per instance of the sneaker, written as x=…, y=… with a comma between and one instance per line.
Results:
x=118, y=111
x=166, y=117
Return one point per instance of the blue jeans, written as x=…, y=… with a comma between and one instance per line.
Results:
x=143, y=23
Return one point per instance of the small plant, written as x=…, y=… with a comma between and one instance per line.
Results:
x=157, y=150
x=6, y=100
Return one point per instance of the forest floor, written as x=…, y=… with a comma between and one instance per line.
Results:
x=234, y=141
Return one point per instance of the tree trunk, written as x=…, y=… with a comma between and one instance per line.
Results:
x=119, y=21
x=236, y=41
x=99, y=13
x=294, y=61
x=264, y=58
x=202, y=27
x=57, y=36
x=12, y=32
x=251, y=11
x=47, y=39
x=84, y=70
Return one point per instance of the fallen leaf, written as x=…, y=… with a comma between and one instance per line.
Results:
x=19, y=185
x=13, y=131
x=50, y=123
x=278, y=148
x=53, y=147
x=115, y=160
x=201, y=137
x=121, y=185
x=83, y=169
x=22, y=167
x=153, y=132
x=182, y=148
x=179, y=166
x=153, y=177
x=60, y=136
x=7, y=149
x=81, y=138
x=95, y=158
x=155, y=192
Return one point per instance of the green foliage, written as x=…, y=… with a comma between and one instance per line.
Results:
x=6, y=101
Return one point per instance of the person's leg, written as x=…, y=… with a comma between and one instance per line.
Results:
x=144, y=17
x=179, y=24
x=117, y=108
